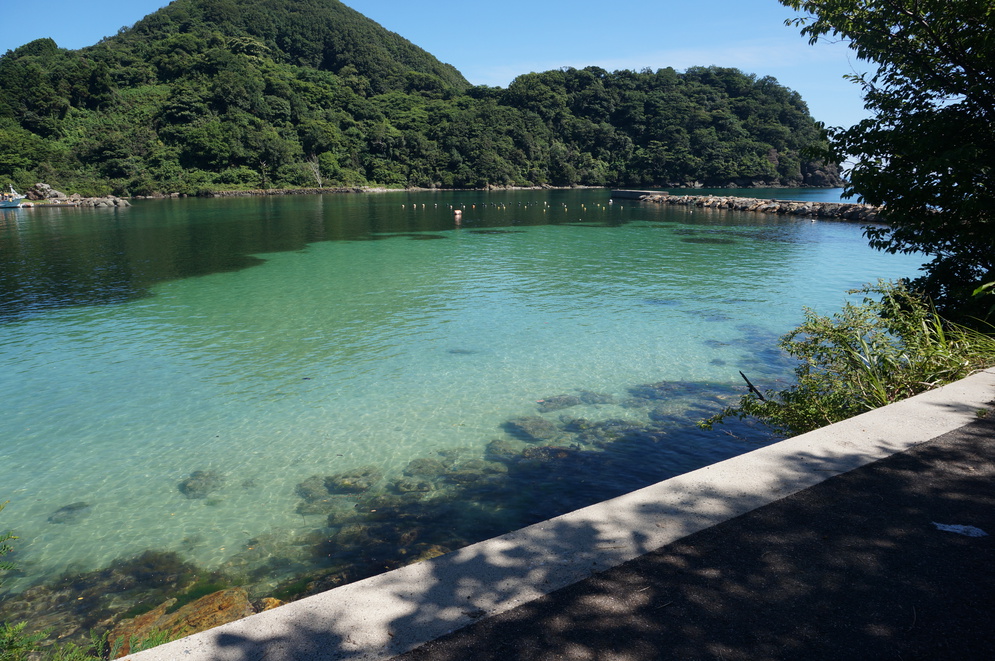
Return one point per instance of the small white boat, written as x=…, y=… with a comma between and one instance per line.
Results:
x=11, y=200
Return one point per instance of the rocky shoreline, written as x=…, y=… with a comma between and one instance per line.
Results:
x=291, y=191
x=837, y=210
x=45, y=196
x=372, y=189
x=80, y=201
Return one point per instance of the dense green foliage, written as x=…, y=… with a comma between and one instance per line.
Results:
x=928, y=151
x=18, y=643
x=209, y=94
x=890, y=347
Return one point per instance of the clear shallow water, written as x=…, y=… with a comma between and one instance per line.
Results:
x=270, y=340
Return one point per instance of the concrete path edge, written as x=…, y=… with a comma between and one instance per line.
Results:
x=394, y=612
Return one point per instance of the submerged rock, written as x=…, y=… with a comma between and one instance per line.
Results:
x=576, y=425
x=412, y=485
x=430, y=551
x=548, y=453
x=312, y=489
x=362, y=535
x=453, y=457
x=603, y=433
x=425, y=467
x=502, y=450
x=532, y=428
x=267, y=604
x=558, y=402
x=357, y=480
x=670, y=389
x=323, y=507
x=205, y=613
x=465, y=476
x=201, y=483
x=588, y=397
x=72, y=513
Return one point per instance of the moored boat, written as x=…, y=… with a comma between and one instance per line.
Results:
x=11, y=200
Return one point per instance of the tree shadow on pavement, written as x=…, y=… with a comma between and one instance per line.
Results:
x=851, y=568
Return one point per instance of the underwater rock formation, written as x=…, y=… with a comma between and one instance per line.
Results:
x=558, y=402
x=588, y=397
x=205, y=613
x=424, y=467
x=72, y=513
x=601, y=433
x=316, y=497
x=322, y=506
x=312, y=489
x=502, y=450
x=357, y=480
x=412, y=485
x=474, y=470
x=548, y=453
x=201, y=483
x=532, y=428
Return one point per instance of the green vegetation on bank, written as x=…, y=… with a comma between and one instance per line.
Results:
x=891, y=346
x=927, y=156
x=225, y=94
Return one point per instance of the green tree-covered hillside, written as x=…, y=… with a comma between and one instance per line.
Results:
x=214, y=94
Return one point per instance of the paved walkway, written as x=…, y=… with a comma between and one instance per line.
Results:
x=822, y=546
x=853, y=568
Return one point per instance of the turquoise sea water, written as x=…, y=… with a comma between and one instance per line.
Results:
x=265, y=341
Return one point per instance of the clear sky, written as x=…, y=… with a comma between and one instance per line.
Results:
x=491, y=43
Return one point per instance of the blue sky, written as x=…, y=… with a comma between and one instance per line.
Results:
x=491, y=43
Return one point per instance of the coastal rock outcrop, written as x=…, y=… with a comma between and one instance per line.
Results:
x=43, y=192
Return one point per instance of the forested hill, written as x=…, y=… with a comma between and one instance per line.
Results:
x=321, y=34
x=214, y=94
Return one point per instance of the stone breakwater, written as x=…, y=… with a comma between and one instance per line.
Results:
x=837, y=210
x=80, y=201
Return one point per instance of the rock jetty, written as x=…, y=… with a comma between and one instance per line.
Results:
x=48, y=196
x=864, y=213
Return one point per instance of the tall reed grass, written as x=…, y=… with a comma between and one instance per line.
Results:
x=889, y=347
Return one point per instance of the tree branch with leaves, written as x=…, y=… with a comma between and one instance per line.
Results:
x=927, y=153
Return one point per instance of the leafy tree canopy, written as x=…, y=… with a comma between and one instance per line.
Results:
x=928, y=151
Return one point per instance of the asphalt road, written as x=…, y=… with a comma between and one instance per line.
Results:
x=853, y=568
